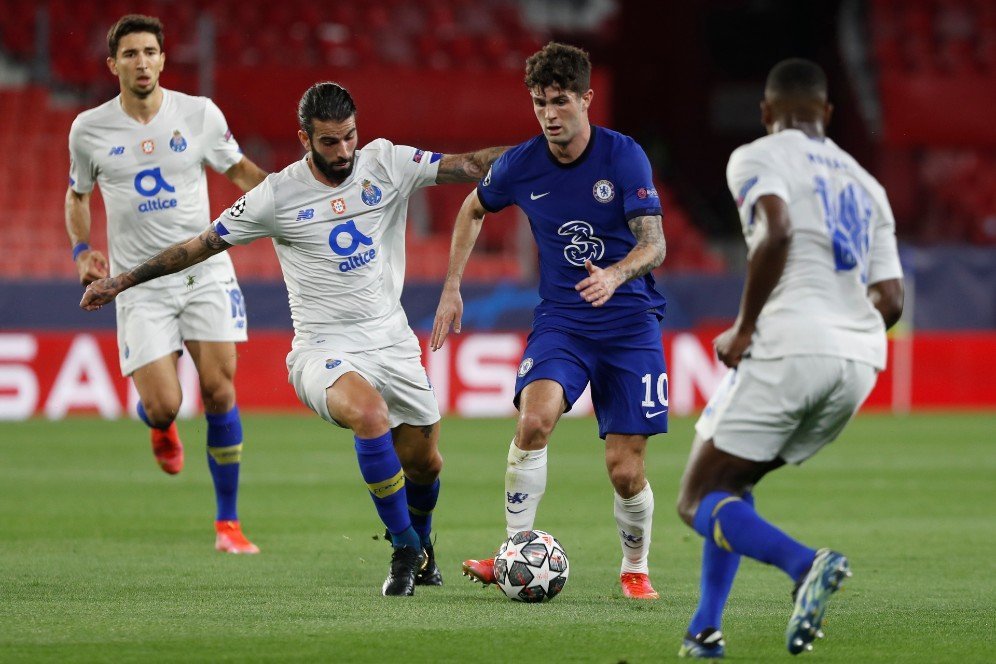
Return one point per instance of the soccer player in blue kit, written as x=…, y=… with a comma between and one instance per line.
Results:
x=596, y=217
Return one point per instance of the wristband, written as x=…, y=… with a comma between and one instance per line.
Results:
x=79, y=248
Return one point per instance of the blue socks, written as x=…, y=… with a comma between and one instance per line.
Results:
x=224, y=455
x=732, y=524
x=381, y=470
x=421, y=501
x=719, y=567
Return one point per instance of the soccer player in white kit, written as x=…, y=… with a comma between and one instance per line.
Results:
x=823, y=284
x=146, y=148
x=337, y=220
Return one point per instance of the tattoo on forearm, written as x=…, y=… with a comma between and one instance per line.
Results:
x=175, y=258
x=649, y=242
x=468, y=167
x=212, y=241
x=426, y=431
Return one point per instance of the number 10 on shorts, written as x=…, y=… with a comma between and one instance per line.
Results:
x=648, y=384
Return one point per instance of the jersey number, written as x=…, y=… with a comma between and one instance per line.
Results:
x=648, y=398
x=584, y=244
x=846, y=214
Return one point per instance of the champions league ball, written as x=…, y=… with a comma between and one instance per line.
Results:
x=531, y=566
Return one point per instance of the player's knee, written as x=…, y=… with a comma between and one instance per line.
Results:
x=218, y=397
x=687, y=506
x=161, y=411
x=368, y=420
x=534, y=431
x=627, y=479
x=424, y=469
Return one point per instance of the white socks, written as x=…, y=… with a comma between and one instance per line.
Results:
x=525, y=482
x=634, y=516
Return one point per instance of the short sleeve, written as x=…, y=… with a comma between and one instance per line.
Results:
x=82, y=171
x=636, y=180
x=884, y=264
x=410, y=167
x=751, y=174
x=493, y=190
x=251, y=217
x=221, y=150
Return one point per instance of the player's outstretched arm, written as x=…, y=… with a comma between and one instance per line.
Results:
x=764, y=269
x=601, y=284
x=887, y=296
x=450, y=310
x=245, y=174
x=90, y=263
x=467, y=167
x=172, y=259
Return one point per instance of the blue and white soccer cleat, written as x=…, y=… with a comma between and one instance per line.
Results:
x=707, y=644
x=824, y=578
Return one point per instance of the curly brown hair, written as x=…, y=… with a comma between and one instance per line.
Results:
x=132, y=23
x=559, y=65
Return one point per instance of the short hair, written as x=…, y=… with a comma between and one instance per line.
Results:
x=130, y=24
x=324, y=101
x=559, y=65
x=797, y=77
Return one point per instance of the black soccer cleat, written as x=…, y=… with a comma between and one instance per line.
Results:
x=428, y=574
x=405, y=564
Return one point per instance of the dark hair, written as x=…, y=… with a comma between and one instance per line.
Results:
x=324, y=101
x=797, y=77
x=559, y=65
x=130, y=24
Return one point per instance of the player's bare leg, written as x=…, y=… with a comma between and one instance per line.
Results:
x=354, y=403
x=216, y=362
x=634, y=511
x=159, y=401
x=541, y=404
x=418, y=450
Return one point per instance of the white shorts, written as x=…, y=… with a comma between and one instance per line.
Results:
x=157, y=322
x=396, y=372
x=788, y=407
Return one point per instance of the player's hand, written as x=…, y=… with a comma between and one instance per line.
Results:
x=599, y=286
x=91, y=266
x=449, y=312
x=731, y=345
x=100, y=293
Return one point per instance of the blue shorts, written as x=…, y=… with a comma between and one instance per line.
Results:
x=626, y=369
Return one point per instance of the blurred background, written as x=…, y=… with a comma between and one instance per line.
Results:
x=913, y=83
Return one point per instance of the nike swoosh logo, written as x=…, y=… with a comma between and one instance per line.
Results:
x=511, y=511
x=649, y=415
x=536, y=197
x=626, y=544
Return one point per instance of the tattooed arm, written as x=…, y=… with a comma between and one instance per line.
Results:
x=648, y=253
x=467, y=167
x=172, y=259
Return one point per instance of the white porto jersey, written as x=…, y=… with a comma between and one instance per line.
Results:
x=844, y=239
x=341, y=249
x=151, y=175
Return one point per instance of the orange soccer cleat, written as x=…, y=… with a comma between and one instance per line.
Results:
x=480, y=570
x=168, y=449
x=636, y=585
x=230, y=538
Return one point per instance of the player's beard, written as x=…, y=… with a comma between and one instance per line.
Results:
x=333, y=172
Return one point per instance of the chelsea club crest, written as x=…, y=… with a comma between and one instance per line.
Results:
x=178, y=143
x=603, y=191
x=371, y=193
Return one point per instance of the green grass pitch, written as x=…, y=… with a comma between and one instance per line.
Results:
x=103, y=557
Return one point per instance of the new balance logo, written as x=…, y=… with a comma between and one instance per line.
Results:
x=305, y=214
x=536, y=197
x=116, y=150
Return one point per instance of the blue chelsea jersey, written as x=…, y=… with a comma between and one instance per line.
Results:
x=580, y=211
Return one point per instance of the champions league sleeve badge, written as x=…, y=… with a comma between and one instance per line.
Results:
x=178, y=143
x=371, y=193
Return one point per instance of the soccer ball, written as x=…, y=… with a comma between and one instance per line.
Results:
x=531, y=566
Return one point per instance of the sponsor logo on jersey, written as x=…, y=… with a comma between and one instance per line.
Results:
x=238, y=207
x=116, y=150
x=339, y=206
x=742, y=195
x=584, y=244
x=150, y=183
x=526, y=365
x=178, y=143
x=645, y=192
x=603, y=191
x=371, y=193
x=148, y=146
x=347, y=231
x=306, y=214
x=331, y=363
